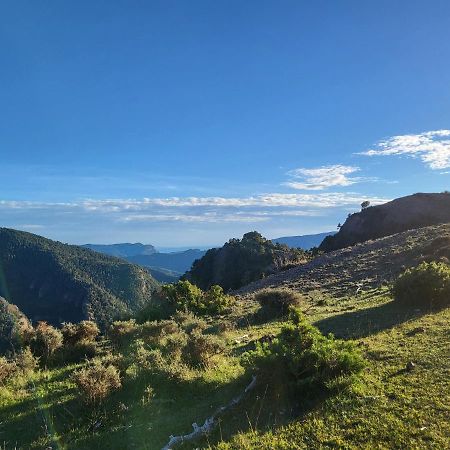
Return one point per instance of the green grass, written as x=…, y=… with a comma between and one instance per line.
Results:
x=386, y=407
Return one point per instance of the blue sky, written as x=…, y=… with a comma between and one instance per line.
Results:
x=187, y=123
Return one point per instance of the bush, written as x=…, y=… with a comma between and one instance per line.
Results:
x=24, y=363
x=85, y=331
x=186, y=297
x=46, y=340
x=427, y=285
x=122, y=331
x=96, y=381
x=305, y=355
x=276, y=302
x=189, y=321
x=79, y=352
x=200, y=348
x=7, y=369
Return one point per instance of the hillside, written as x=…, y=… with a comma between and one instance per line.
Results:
x=385, y=406
x=56, y=282
x=363, y=266
x=241, y=261
x=405, y=213
x=305, y=242
x=122, y=250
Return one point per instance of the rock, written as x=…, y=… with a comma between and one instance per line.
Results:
x=415, y=331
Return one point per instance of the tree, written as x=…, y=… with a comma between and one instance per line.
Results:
x=365, y=204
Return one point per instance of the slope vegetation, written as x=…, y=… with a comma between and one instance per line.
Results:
x=57, y=282
x=366, y=265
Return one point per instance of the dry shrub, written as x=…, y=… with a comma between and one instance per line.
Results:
x=96, y=381
x=46, y=340
x=276, y=302
x=85, y=331
x=7, y=369
x=200, y=348
x=122, y=331
x=189, y=321
x=24, y=363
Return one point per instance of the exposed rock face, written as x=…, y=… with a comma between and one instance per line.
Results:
x=405, y=213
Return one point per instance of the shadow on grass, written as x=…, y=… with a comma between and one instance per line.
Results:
x=364, y=322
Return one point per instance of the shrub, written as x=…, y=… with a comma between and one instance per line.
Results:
x=189, y=321
x=276, y=302
x=85, y=331
x=7, y=369
x=121, y=331
x=46, y=340
x=79, y=351
x=200, y=348
x=305, y=355
x=426, y=285
x=174, y=345
x=186, y=297
x=16, y=330
x=96, y=381
x=26, y=362
x=215, y=301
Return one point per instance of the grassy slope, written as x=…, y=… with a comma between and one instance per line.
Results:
x=388, y=408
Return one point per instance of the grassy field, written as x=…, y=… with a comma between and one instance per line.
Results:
x=386, y=407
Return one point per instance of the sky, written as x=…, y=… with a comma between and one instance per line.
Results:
x=187, y=123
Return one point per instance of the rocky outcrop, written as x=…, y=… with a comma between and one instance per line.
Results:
x=405, y=213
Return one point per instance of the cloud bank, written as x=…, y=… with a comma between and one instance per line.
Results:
x=250, y=209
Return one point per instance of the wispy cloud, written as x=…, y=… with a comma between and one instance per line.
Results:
x=432, y=147
x=192, y=209
x=324, y=177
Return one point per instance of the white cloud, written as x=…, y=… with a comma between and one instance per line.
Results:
x=432, y=147
x=250, y=209
x=324, y=177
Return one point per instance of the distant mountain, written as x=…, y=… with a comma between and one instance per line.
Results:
x=402, y=214
x=57, y=282
x=304, y=242
x=164, y=267
x=122, y=250
x=241, y=261
x=178, y=262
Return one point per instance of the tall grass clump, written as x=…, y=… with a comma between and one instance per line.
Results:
x=427, y=285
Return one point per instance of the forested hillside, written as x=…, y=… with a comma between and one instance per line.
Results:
x=241, y=261
x=57, y=282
